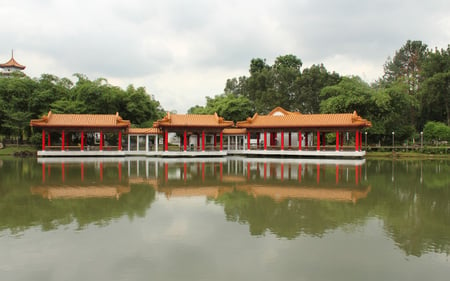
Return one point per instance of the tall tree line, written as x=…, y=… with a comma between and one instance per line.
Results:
x=414, y=90
x=23, y=98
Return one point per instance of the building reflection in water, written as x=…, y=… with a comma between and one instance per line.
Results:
x=279, y=179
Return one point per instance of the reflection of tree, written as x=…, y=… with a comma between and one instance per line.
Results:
x=20, y=210
x=415, y=215
x=289, y=218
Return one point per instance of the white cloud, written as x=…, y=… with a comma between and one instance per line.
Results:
x=182, y=51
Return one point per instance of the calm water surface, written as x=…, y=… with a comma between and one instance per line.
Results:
x=224, y=219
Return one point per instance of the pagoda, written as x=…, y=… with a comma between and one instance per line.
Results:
x=11, y=66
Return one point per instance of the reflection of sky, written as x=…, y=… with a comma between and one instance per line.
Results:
x=189, y=239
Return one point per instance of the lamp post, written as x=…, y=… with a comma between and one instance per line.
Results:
x=393, y=142
x=421, y=140
x=365, y=133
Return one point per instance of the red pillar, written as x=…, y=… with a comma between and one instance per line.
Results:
x=63, y=141
x=43, y=139
x=203, y=140
x=318, y=140
x=282, y=139
x=82, y=141
x=318, y=173
x=265, y=140
x=356, y=141
x=215, y=141
x=248, y=140
x=282, y=172
x=265, y=170
x=101, y=140
x=299, y=140
x=337, y=140
x=120, y=141
x=221, y=143
x=337, y=173
x=290, y=141
x=185, y=140
x=166, y=140
x=299, y=172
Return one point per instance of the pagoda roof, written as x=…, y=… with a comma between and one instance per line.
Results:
x=281, y=118
x=193, y=120
x=12, y=63
x=80, y=120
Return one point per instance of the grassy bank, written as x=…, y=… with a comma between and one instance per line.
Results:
x=11, y=149
x=406, y=155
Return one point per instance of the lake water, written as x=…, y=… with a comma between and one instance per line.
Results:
x=224, y=219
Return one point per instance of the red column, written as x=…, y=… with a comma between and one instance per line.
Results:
x=101, y=140
x=203, y=140
x=282, y=140
x=318, y=140
x=120, y=141
x=282, y=172
x=318, y=173
x=221, y=142
x=63, y=141
x=290, y=142
x=356, y=141
x=248, y=140
x=43, y=139
x=265, y=140
x=299, y=172
x=166, y=140
x=337, y=173
x=337, y=140
x=82, y=141
x=299, y=140
x=185, y=140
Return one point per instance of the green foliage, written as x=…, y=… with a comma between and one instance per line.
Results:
x=436, y=131
x=22, y=99
x=228, y=106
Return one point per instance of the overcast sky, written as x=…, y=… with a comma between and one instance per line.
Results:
x=182, y=51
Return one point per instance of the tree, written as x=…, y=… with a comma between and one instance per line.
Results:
x=310, y=84
x=407, y=65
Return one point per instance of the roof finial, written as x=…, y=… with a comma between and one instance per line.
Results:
x=12, y=53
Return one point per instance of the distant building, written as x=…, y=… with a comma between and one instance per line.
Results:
x=11, y=66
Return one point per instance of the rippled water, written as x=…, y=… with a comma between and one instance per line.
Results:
x=222, y=219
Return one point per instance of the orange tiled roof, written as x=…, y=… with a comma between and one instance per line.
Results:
x=234, y=131
x=193, y=120
x=81, y=120
x=144, y=131
x=297, y=120
x=12, y=63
